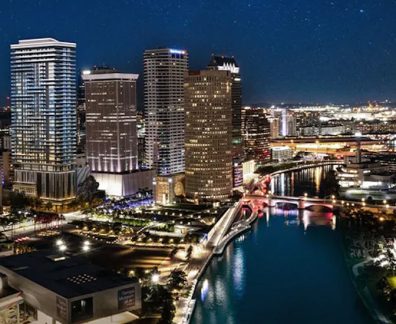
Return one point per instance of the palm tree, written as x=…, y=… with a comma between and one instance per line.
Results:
x=177, y=279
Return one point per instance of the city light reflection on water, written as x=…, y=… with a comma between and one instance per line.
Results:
x=288, y=269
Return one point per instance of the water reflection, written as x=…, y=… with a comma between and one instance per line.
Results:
x=288, y=269
x=297, y=183
x=238, y=272
x=288, y=257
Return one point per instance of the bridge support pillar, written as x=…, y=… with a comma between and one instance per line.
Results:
x=301, y=204
x=270, y=203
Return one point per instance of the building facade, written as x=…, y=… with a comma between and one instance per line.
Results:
x=256, y=133
x=43, y=101
x=111, y=132
x=111, y=141
x=274, y=127
x=226, y=63
x=209, y=167
x=164, y=71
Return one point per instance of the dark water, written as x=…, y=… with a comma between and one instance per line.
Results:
x=299, y=182
x=283, y=271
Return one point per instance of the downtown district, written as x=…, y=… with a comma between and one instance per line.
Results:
x=111, y=214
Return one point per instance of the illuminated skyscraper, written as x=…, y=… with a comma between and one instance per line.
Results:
x=225, y=63
x=112, y=147
x=209, y=134
x=256, y=133
x=43, y=101
x=111, y=121
x=164, y=71
x=274, y=127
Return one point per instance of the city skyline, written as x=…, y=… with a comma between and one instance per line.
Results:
x=287, y=52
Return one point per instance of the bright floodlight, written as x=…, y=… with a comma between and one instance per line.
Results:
x=155, y=278
x=85, y=248
x=358, y=134
x=59, y=242
x=62, y=248
x=87, y=242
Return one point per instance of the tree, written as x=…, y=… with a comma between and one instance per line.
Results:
x=49, y=205
x=87, y=191
x=159, y=298
x=18, y=200
x=329, y=185
x=177, y=279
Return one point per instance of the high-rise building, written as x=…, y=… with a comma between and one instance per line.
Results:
x=164, y=71
x=111, y=142
x=274, y=127
x=288, y=122
x=226, y=63
x=43, y=101
x=141, y=135
x=111, y=121
x=208, y=107
x=256, y=133
x=291, y=124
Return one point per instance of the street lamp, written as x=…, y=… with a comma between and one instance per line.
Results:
x=155, y=278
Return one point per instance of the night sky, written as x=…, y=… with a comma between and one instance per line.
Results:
x=289, y=50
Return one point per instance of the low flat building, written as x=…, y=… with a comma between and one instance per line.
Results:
x=65, y=289
x=124, y=184
x=281, y=153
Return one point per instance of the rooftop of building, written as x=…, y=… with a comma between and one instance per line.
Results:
x=103, y=73
x=41, y=42
x=66, y=276
x=220, y=60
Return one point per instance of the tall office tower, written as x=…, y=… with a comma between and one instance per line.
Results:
x=43, y=101
x=256, y=133
x=224, y=63
x=208, y=134
x=112, y=147
x=164, y=71
x=274, y=127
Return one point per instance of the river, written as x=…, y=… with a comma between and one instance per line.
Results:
x=282, y=271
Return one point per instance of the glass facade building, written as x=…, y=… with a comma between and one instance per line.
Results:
x=164, y=71
x=43, y=106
